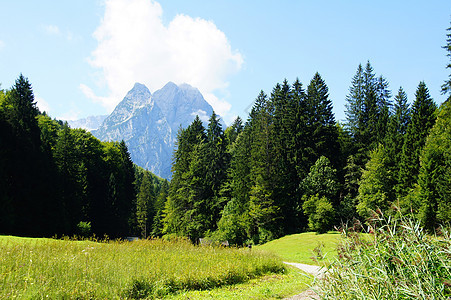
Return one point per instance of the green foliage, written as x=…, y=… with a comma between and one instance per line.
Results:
x=398, y=261
x=84, y=229
x=435, y=173
x=446, y=87
x=423, y=115
x=375, y=192
x=320, y=213
x=367, y=111
x=144, y=205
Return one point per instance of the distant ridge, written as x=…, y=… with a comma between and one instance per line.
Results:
x=88, y=123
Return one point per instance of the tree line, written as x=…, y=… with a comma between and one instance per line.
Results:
x=288, y=168
x=292, y=167
x=63, y=181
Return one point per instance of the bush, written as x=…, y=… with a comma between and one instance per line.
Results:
x=320, y=213
x=84, y=229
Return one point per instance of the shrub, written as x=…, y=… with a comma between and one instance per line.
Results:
x=84, y=229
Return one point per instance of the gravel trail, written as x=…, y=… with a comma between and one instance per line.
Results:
x=313, y=270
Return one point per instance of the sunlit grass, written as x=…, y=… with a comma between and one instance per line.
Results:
x=275, y=286
x=301, y=247
x=41, y=268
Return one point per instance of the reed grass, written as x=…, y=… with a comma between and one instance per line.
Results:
x=55, y=269
x=397, y=261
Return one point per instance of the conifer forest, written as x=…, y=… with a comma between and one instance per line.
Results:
x=288, y=167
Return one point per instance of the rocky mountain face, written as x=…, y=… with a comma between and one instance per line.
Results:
x=149, y=123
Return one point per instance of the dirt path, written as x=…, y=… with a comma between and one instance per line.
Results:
x=313, y=270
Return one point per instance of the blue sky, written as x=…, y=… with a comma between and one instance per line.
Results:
x=83, y=56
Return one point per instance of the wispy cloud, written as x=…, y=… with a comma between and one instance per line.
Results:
x=42, y=104
x=107, y=102
x=52, y=30
x=135, y=46
x=2, y=44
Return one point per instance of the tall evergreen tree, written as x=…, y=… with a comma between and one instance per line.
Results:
x=145, y=210
x=321, y=122
x=446, y=87
x=25, y=188
x=187, y=191
x=394, y=139
x=423, y=116
x=367, y=111
x=375, y=191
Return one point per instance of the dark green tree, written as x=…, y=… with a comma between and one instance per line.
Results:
x=375, y=191
x=423, y=114
x=446, y=87
x=320, y=191
x=145, y=210
x=394, y=139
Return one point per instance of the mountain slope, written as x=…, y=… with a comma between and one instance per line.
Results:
x=149, y=123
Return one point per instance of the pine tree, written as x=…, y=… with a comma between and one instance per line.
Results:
x=375, y=191
x=187, y=191
x=367, y=111
x=321, y=122
x=423, y=116
x=446, y=87
x=145, y=210
x=397, y=128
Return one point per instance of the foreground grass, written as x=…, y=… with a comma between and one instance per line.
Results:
x=276, y=286
x=41, y=268
x=398, y=261
x=303, y=247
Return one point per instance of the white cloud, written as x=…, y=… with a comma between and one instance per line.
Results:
x=71, y=115
x=135, y=46
x=107, y=102
x=2, y=44
x=42, y=104
x=52, y=30
x=202, y=114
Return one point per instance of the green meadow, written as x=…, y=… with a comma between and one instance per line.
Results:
x=46, y=268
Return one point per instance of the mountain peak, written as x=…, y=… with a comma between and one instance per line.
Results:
x=149, y=123
x=170, y=85
x=139, y=91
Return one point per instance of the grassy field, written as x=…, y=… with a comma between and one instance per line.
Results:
x=46, y=268
x=301, y=247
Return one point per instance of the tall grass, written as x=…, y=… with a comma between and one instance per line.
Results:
x=44, y=268
x=397, y=261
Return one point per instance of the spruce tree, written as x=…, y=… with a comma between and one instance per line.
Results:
x=321, y=126
x=145, y=210
x=375, y=191
x=423, y=116
x=394, y=139
x=446, y=87
x=367, y=111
